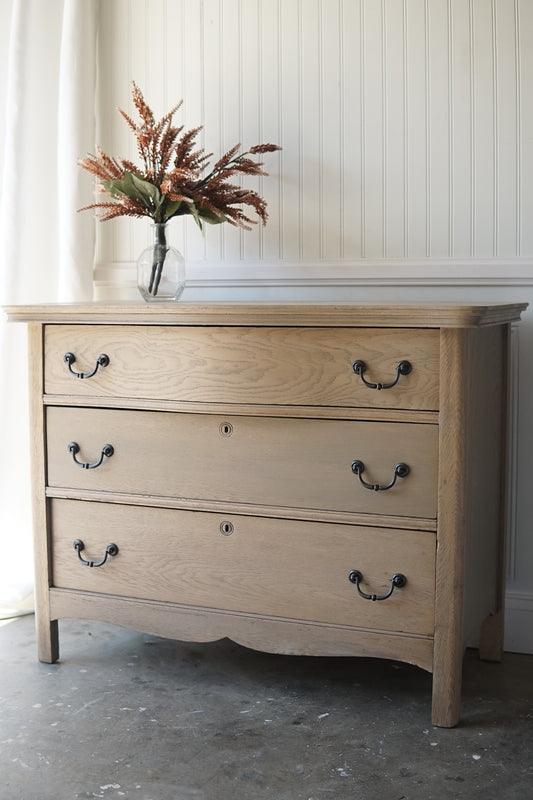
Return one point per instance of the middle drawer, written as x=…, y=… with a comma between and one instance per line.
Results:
x=293, y=463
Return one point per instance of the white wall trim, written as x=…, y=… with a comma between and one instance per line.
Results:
x=386, y=272
x=518, y=622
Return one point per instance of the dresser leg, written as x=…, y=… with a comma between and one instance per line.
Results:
x=47, y=640
x=446, y=702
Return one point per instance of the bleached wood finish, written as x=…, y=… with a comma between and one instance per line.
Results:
x=303, y=463
x=324, y=314
x=296, y=366
x=282, y=478
x=47, y=628
x=196, y=564
x=271, y=634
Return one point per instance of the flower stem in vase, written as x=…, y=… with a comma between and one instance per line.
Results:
x=159, y=255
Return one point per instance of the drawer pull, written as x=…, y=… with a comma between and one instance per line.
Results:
x=400, y=471
x=111, y=550
x=398, y=581
x=107, y=450
x=70, y=358
x=403, y=368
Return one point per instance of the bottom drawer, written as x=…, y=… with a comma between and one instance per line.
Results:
x=281, y=568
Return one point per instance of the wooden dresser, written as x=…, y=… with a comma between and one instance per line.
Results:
x=322, y=479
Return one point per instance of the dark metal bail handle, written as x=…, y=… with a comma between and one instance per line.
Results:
x=111, y=550
x=107, y=451
x=101, y=361
x=403, y=368
x=398, y=581
x=401, y=470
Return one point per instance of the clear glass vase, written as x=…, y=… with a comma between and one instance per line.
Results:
x=160, y=268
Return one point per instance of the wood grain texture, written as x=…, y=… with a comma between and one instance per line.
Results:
x=257, y=423
x=486, y=492
x=269, y=461
x=274, y=635
x=451, y=531
x=292, y=366
x=46, y=627
x=246, y=409
x=274, y=567
x=250, y=509
x=325, y=314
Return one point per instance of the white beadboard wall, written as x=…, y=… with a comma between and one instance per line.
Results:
x=406, y=171
x=406, y=125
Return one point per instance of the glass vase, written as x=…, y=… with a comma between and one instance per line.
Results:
x=160, y=268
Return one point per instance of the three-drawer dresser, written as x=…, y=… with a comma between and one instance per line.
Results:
x=321, y=479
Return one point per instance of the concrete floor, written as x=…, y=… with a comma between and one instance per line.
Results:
x=128, y=716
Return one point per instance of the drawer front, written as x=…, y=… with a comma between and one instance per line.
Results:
x=286, y=366
x=290, y=569
x=298, y=463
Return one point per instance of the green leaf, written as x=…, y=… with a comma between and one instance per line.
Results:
x=145, y=189
x=169, y=208
x=194, y=212
x=211, y=217
x=136, y=188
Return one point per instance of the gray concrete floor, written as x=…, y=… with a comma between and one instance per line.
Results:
x=128, y=716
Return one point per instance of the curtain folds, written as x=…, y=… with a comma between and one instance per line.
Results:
x=46, y=249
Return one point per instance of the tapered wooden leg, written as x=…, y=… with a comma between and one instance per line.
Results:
x=47, y=640
x=446, y=700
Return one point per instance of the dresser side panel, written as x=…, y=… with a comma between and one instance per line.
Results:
x=486, y=476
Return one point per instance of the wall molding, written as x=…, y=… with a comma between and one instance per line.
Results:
x=364, y=272
x=518, y=622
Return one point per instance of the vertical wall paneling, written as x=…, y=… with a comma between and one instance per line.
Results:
x=192, y=45
x=291, y=86
x=213, y=109
x=525, y=108
x=415, y=129
x=270, y=123
x=484, y=150
x=405, y=124
x=250, y=109
x=351, y=134
x=330, y=58
x=438, y=127
x=311, y=130
x=507, y=165
x=460, y=146
x=394, y=87
x=373, y=130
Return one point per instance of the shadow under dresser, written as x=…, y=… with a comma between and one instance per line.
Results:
x=301, y=478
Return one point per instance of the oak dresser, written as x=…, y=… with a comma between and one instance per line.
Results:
x=321, y=479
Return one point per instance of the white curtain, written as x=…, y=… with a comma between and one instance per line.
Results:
x=47, y=96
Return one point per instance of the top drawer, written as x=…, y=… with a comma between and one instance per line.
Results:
x=284, y=366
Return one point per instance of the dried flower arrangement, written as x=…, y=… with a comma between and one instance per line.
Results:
x=171, y=182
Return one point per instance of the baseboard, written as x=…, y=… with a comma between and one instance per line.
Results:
x=519, y=622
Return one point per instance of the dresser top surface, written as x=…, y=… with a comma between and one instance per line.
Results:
x=316, y=314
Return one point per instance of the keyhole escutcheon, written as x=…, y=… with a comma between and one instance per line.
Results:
x=225, y=428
